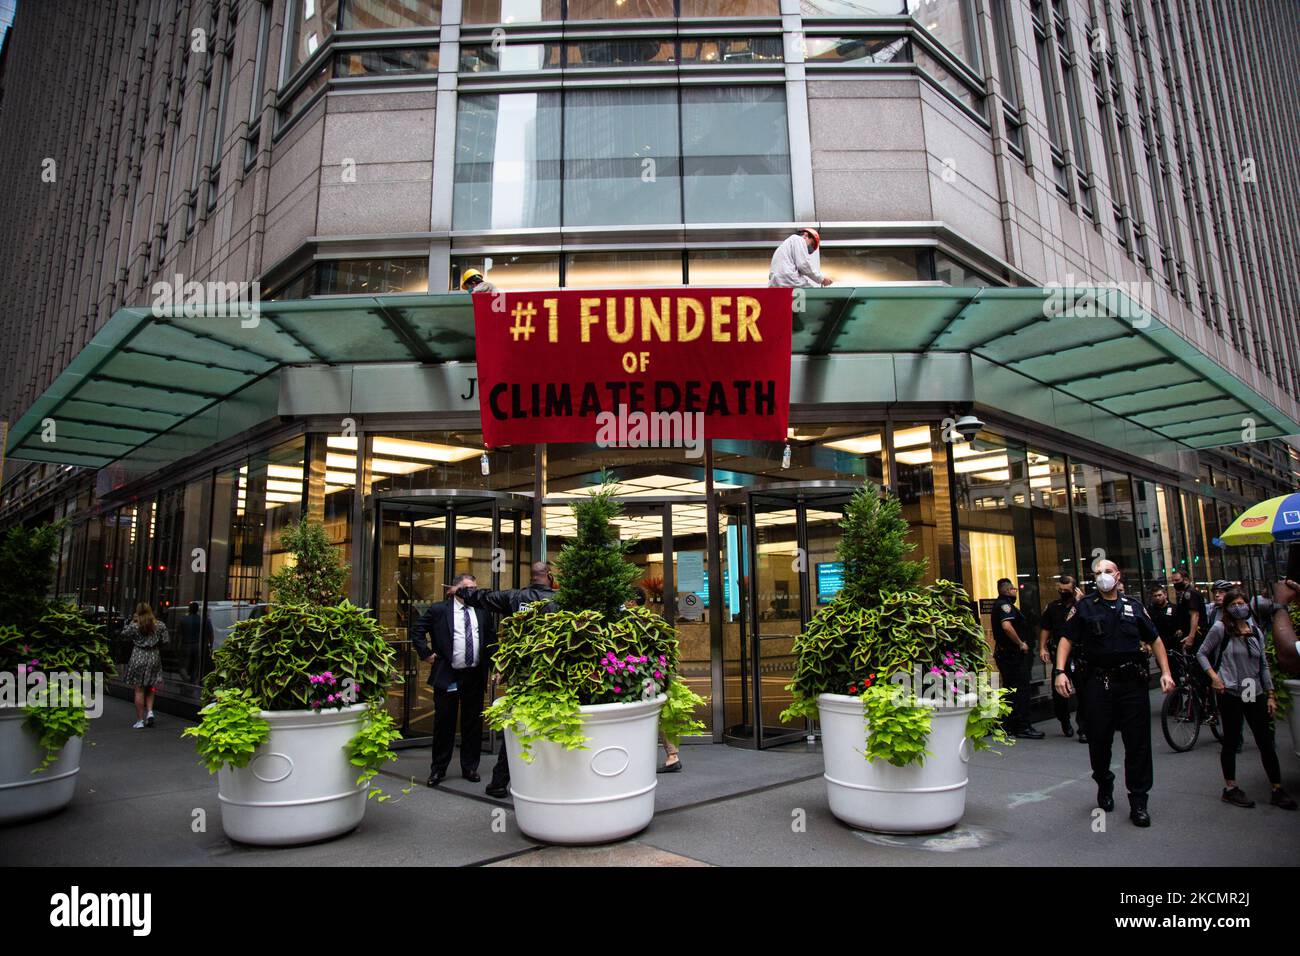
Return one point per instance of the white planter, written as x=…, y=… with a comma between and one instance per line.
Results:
x=1293, y=715
x=23, y=794
x=603, y=793
x=299, y=787
x=878, y=796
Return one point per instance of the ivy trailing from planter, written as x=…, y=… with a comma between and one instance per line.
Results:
x=279, y=662
x=50, y=637
x=593, y=649
x=883, y=638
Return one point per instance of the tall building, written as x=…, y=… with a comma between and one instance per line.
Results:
x=974, y=168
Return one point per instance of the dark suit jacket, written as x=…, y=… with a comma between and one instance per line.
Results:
x=432, y=633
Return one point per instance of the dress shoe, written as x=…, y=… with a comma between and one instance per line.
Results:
x=1030, y=732
x=436, y=778
x=674, y=767
x=498, y=790
x=1106, y=799
x=1082, y=738
x=1139, y=816
x=1067, y=729
x=471, y=775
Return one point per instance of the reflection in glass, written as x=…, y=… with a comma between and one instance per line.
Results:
x=507, y=161
x=389, y=61
x=621, y=157
x=851, y=267
x=619, y=9
x=510, y=272
x=853, y=8
x=511, y=11
x=387, y=15
x=1103, y=511
x=509, y=58
x=621, y=52
x=922, y=486
x=372, y=276
x=946, y=79
x=736, y=155
x=715, y=267
x=447, y=459
x=864, y=49
x=766, y=49
x=313, y=24
x=952, y=23
x=730, y=8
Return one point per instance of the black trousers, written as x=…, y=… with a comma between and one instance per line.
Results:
x=1124, y=705
x=1013, y=666
x=467, y=701
x=1061, y=705
x=1234, y=712
x=501, y=772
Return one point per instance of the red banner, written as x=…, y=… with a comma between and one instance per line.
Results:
x=620, y=367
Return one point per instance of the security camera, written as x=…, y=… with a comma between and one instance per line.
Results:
x=968, y=426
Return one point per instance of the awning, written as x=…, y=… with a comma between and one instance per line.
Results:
x=145, y=375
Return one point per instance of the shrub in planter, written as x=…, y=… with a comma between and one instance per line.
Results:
x=587, y=687
x=295, y=723
x=895, y=672
x=49, y=649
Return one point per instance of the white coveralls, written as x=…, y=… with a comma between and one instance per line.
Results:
x=792, y=265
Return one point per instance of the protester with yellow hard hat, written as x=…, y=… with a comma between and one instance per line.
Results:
x=473, y=281
x=792, y=264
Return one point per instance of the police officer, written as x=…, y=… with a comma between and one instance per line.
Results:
x=1190, y=609
x=1011, y=653
x=1111, y=628
x=1051, y=627
x=540, y=590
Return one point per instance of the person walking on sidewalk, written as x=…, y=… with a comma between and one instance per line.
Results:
x=1233, y=657
x=792, y=264
x=1111, y=628
x=1011, y=654
x=143, y=671
x=1051, y=627
x=541, y=589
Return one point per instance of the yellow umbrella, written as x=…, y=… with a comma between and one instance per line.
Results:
x=1277, y=519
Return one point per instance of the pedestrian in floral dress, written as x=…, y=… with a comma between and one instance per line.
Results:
x=144, y=669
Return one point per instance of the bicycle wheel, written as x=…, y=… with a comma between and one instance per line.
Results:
x=1180, y=718
x=1215, y=721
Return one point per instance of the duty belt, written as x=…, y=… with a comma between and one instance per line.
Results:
x=1117, y=673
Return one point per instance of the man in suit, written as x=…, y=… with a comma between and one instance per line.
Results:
x=457, y=640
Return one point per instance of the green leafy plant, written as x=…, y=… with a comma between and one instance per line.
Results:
x=888, y=640
x=316, y=575
x=45, y=636
x=230, y=730
x=276, y=662
x=593, y=650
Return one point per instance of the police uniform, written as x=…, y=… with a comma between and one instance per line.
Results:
x=1053, y=622
x=1013, y=663
x=1117, y=690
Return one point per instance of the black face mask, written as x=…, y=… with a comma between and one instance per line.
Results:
x=1180, y=585
x=1010, y=598
x=1066, y=596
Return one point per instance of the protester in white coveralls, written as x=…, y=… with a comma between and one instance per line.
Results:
x=792, y=265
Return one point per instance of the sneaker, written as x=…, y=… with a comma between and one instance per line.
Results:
x=1237, y=798
x=1067, y=729
x=1029, y=732
x=138, y=725
x=148, y=721
x=1282, y=799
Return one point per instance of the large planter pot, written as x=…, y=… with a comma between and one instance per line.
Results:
x=878, y=796
x=1293, y=715
x=603, y=793
x=299, y=787
x=23, y=794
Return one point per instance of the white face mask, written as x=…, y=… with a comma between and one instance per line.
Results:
x=1106, y=582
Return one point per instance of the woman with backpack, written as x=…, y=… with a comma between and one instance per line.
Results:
x=1233, y=657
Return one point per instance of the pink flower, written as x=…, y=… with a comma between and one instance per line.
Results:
x=609, y=670
x=618, y=690
x=662, y=659
x=659, y=674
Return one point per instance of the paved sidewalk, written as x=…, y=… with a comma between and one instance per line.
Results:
x=140, y=792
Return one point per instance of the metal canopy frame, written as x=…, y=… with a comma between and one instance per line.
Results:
x=145, y=372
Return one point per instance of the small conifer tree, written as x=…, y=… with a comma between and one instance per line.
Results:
x=874, y=547
x=595, y=574
x=317, y=576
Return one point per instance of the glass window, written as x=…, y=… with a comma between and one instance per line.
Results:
x=1002, y=41
x=388, y=61
x=372, y=276
x=857, y=50
x=1048, y=82
x=603, y=270
x=863, y=266
x=952, y=23
x=721, y=267
x=509, y=58
x=730, y=8
x=511, y=11
x=619, y=9
x=621, y=157
x=1103, y=510
x=510, y=272
x=445, y=459
x=954, y=273
x=331, y=480
x=922, y=485
x=736, y=154
x=947, y=79
x=307, y=93
x=853, y=8
x=390, y=14
x=508, y=161
x=733, y=50
x=621, y=52
x=313, y=23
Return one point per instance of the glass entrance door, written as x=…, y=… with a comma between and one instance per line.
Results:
x=780, y=559
x=422, y=542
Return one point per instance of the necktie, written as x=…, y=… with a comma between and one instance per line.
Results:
x=469, y=638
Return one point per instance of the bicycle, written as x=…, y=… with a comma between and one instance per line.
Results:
x=1190, y=704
